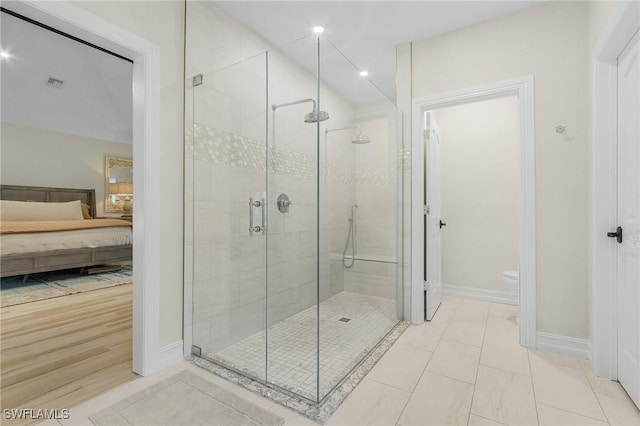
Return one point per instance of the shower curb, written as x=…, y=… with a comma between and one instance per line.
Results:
x=318, y=412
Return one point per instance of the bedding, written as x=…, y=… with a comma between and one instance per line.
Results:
x=38, y=236
x=31, y=226
x=41, y=245
x=60, y=240
x=33, y=210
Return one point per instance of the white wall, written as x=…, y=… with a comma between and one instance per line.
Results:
x=480, y=186
x=599, y=13
x=31, y=156
x=550, y=43
x=162, y=23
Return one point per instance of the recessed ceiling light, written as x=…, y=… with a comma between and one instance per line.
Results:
x=364, y=73
x=4, y=54
x=318, y=29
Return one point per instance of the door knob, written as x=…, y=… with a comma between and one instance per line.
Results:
x=617, y=235
x=442, y=224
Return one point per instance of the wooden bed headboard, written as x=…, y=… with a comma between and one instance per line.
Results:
x=49, y=195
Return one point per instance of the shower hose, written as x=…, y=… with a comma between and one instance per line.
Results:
x=351, y=237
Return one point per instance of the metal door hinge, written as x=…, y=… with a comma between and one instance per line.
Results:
x=197, y=80
x=427, y=209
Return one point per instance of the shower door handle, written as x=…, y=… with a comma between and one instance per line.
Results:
x=264, y=216
x=257, y=228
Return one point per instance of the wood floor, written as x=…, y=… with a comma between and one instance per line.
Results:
x=59, y=352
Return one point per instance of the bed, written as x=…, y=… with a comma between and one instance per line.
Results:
x=111, y=244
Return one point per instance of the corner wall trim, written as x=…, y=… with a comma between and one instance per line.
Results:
x=495, y=296
x=170, y=354
x=580, y=348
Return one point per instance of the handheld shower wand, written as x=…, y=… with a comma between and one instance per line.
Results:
x=350, y=236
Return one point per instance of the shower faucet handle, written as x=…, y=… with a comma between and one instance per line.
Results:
x=283, y=203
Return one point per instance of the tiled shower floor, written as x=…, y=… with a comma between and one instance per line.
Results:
x=292, y=343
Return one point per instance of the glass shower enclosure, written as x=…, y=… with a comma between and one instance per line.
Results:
x=292, y=214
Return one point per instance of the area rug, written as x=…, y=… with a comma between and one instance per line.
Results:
x=185, y=399
x=47, y=285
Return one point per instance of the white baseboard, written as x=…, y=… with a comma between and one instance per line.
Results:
x=580, y=348
x=169, y=355
x=495, y=296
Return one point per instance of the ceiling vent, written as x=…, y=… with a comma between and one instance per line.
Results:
x=54, y=82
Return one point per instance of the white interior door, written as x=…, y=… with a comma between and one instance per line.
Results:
x=433, y=218
x=629, y=219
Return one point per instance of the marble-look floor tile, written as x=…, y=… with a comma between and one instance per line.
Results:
x=504, y=397
x=551, y=416
x=371, y=403
x=500, y=331
x=554, y=358
x=501, y=348
x=469, y=332
x=438, y=400
x=401, y=367
x=502, y=310
x=299, y=421
x=621, y=412
x=446, y=310
x=455, y=360
x=563, y=386
x=603, y=386
x=507, y=357
x=472, y=310
x=481, y=421
x=50, y=422
x=425, y=336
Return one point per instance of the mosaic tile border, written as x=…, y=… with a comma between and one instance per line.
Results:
x=221, y=147
x=318, y=412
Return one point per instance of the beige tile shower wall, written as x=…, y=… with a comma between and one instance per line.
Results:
x=226, y=164
x=376, y=216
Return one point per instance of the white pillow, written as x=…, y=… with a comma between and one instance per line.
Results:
x=29, y=210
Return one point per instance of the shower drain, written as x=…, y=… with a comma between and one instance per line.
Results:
x=343, y=319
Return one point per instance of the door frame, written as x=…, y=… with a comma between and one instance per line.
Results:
x=622, y=25
x=523, y=88
x=147, y=354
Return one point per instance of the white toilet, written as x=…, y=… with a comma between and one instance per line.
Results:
x=512, y=281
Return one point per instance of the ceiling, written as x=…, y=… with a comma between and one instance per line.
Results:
x=367, y=32
x=95, y=100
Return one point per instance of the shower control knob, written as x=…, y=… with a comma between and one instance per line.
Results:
x=283, y=203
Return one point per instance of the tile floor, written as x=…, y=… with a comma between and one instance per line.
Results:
x=464, y=367
x=292, y=343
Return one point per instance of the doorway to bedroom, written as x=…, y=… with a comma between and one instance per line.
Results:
x=67, y=147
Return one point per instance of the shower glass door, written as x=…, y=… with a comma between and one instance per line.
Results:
x=292, y=238
x=228, y=170
x=291, y=222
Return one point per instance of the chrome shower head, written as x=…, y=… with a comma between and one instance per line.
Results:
x=360, y=139
x=315, y=116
